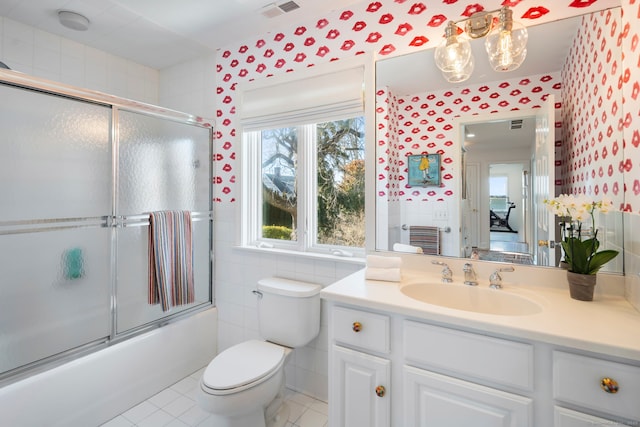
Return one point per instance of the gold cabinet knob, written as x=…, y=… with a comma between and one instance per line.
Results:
x=357, y=326
x=548, y=243
x=609, y=385
x=380, y=391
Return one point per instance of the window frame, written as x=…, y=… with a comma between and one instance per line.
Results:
x=307, y=194
x=247, y=231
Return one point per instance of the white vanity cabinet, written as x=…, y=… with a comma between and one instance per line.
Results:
x=476, y=366
x=435, y=375
x=359, y=369
x=594, y=384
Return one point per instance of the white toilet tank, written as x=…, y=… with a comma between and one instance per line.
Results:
x=288, y=311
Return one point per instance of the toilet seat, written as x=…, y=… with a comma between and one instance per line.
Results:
x=242, y=366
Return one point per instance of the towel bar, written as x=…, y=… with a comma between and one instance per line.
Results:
x=446, y=229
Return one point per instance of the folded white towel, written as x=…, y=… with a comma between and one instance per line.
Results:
x=377, y=261
x=386, y=274
x=401, y=247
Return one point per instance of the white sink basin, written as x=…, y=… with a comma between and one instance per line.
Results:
x=472, y=298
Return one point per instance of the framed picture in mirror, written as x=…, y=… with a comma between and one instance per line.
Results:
x=423, y=170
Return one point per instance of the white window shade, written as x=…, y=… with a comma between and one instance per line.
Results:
x=297, y=99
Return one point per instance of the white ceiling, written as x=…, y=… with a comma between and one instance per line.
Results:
x=161, y=33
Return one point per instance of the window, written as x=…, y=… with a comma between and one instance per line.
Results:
x=303, y=157
x=309, y=192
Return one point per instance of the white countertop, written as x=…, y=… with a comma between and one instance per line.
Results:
x=609, y=324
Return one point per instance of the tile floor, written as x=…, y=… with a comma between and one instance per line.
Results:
x=176, y=407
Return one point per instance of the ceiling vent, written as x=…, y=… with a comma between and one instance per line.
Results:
x=273, y=10
x=516, y=124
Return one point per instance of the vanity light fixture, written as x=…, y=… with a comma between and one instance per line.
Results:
x=505, y=44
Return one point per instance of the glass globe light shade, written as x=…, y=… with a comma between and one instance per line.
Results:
x=505, y=63
x=506, y=43
x=454, y=52
x=457, y=76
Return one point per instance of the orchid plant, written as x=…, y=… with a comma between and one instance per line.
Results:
x=582, y=256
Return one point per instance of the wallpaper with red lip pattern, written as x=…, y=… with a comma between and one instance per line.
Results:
x=390, y=28
x=631, y=103
x=592, y=113
x=421, y=123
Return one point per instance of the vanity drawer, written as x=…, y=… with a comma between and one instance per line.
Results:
x=577, y=379
x=494, y=360
x=362, y=329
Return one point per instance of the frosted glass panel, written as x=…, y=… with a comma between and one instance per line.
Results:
x=163, y=165
x=56, y=156
x=55, y=293
x=133, y=275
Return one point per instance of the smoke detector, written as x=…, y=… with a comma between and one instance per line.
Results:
x=73, y=20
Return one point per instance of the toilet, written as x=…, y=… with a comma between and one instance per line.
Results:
x=243, y=386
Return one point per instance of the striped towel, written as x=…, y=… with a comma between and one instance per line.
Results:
x=170, y=259
x=426, y=237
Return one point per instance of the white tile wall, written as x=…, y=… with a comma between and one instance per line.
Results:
x=632, y=258
x=42, y=54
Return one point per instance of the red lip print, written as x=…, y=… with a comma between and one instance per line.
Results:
x=300, y=57
x=280, y=63
x=289, y=47
x=333, y=34
x=436, y=20
x=403, y=29
x=310, y=41
x=511, y=3
x=234, y=63
x=387, y=49
x=227, y=167
x=346, y=15
x=300, y=31
x=373, y=37
x=373, y=7
x=243, y=49
x=386, y=18
x=260, y=43
x=348, y=44
x=417, y=9
x=278, y=37
x=268, y=53
x=322, y=23
x=359, y=26
x=226, y=54
x=535, y=12
x=582, y=3
x=322, y=51
x=471, y=9
x=419, y=41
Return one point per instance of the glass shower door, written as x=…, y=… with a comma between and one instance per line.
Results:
x=163, y=165
x=55, y=194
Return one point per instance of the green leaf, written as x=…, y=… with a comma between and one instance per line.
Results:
x=600, y=259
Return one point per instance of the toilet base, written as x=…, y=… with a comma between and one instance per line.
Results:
x=280, y=418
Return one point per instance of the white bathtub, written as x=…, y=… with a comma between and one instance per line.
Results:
x=95, y=388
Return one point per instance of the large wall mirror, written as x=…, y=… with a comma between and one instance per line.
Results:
x=485, y=134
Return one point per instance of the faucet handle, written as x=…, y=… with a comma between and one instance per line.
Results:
x=447, y=274
x=495, y=280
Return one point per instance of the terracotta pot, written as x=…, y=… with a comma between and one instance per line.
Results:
x=564, y=265
x=581, y=286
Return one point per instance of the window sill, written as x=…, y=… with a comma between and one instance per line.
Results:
x=309, y=255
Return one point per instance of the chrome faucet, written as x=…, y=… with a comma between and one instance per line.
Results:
x=447, y=274
x=495, y=280
x=470, y=277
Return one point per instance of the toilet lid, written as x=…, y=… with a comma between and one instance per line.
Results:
x=242, y=364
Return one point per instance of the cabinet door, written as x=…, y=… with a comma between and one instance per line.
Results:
x=356, y=397
x=567, y=418
x=433, y=400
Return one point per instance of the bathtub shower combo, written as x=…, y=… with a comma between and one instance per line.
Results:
x=80, y=175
